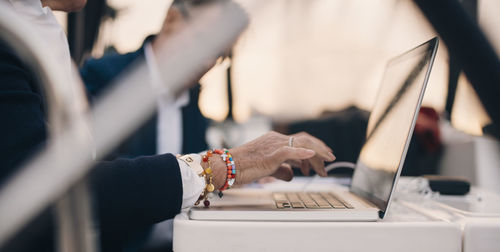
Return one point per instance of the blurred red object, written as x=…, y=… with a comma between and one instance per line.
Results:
x=427, y=130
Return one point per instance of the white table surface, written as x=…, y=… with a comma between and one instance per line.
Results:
x=404, y=229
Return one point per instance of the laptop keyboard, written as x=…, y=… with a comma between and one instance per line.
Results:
x=311, y=200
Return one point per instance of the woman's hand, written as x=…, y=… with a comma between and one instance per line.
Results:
x=270, y=155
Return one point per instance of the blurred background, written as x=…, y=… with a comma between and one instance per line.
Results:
x=299, y=58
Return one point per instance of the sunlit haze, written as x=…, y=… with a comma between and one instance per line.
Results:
x=299, y=58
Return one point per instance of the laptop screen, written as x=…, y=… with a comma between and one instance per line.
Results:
x=391, y=124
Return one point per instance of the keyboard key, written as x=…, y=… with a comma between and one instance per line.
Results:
x=282, y=205
x=346, y=204
x=306, y=198
x=311, y=205
x=332, y=201
x=293, y=197
x=335, y=203
x=322, y=203
x=297, y=204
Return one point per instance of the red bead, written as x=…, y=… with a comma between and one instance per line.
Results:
x=205, y=159
x=206, y=203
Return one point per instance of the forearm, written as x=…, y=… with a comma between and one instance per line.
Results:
x=134, y=193
x=219, y=170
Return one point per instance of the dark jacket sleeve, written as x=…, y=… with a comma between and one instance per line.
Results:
x=133, y=194
x=130, y=193
x=22, y=126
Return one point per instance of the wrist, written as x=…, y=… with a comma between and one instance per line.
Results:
x=218, y=169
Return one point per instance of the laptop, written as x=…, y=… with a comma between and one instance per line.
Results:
x=377, y=170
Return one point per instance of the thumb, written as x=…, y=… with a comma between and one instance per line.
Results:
x=284, y=172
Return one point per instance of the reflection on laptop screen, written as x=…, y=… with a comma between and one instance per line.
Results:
x=390, y=124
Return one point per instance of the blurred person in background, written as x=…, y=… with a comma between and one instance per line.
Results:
x=179, y=126
x=130, y=194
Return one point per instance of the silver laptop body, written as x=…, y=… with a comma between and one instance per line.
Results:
x=378, y=168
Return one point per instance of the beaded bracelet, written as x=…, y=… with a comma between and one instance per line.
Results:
x=209, y=188
x=207, y=174
x=231, y=169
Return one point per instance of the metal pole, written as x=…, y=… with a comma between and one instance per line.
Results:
x=75, y=228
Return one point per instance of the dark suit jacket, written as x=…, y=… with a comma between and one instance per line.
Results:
x=130, y=194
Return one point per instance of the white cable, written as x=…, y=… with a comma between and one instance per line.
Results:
x=329, y=168
x=339, y=164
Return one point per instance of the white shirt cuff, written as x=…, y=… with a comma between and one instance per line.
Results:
x=192, y=184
